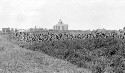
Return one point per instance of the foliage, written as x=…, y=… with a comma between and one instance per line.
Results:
x=83, y=52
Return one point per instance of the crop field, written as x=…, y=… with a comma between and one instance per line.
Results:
x=96, y=51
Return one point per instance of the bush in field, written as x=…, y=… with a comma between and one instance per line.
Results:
x=84, y=51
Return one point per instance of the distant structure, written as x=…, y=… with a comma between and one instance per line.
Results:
x=60, y=26
x=123, y=28
x=21, y=30
x=6, y=30
x=36, y=29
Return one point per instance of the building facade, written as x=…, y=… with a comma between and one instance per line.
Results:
x=6, y=30
x=60, y=26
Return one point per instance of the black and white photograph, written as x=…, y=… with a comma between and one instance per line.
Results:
x=62, y=36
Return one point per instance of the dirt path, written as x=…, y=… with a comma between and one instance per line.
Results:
x=14, y=59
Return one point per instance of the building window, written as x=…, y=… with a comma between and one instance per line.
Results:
x=66, y=27
x=58, y=27
x=62, y=27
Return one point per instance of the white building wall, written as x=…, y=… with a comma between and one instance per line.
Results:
x=60, y=26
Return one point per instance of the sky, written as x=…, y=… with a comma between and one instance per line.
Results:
x=78, y=14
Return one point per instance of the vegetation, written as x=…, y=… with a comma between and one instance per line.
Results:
x=95, y=51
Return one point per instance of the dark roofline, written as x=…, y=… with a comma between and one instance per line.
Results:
x=5, y=28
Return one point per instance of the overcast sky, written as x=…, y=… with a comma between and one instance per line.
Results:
x=78, y=14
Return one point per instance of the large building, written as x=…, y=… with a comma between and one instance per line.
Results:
x=60, y=26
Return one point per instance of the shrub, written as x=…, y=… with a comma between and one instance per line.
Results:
x=81, y=51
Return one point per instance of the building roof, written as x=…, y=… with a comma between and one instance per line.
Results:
x=5, y=28
x=21, y=30
x=60, y=23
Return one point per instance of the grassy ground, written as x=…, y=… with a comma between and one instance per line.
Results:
x=14, y=59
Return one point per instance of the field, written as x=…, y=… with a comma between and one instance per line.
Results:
x=81, y=51
x=14, y=59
